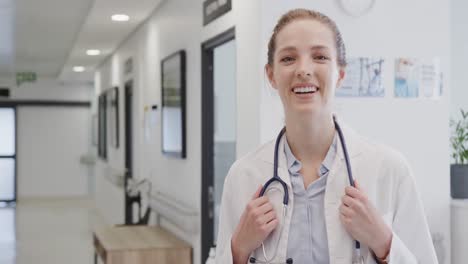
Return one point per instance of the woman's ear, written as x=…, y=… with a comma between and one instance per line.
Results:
x=341, y=76
x=269, y=72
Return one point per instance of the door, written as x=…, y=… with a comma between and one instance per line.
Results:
x=218, y=128
x=7, y=154
x=128, y=148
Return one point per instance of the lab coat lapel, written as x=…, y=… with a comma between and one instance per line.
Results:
x=283, y=173
x=340, y=243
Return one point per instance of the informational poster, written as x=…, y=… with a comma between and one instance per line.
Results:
x=363, y=78
x=406, y=78
x=417, y=78
x=431, y=77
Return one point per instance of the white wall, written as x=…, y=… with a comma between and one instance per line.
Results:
x=459, y=56
x=416, y=127
x=53, y=90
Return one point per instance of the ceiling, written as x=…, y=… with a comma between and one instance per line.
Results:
x=49, y=37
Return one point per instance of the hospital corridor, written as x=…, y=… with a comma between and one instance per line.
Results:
x=233, y=131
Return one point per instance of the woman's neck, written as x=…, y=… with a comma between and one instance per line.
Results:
x=310, y=139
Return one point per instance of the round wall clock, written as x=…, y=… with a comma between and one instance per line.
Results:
x=357, y=8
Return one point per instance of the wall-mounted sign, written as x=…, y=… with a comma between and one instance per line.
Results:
x=22, y=77
x=212, y=9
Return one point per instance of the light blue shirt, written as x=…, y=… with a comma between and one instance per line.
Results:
x=307, y=241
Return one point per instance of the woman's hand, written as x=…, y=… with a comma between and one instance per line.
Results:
x=363, y=222
x=257, y=221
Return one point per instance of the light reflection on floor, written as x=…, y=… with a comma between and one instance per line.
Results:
x=47, y=232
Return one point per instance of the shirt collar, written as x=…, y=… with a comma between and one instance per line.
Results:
x=294, y=165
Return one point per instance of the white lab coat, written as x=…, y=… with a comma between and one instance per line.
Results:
x=382, y=173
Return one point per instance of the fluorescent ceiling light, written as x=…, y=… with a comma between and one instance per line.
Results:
x=78, y=69
x=93, y=52
x=120, y=17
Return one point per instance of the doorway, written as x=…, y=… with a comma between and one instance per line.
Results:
x=8, y=163
x=128, y=149
x=219, y=117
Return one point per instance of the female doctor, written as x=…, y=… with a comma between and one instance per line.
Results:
x=311, y=213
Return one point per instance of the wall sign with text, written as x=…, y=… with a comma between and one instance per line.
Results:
x=212, y=9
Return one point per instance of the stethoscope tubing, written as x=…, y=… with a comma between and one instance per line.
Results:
x=276, y=178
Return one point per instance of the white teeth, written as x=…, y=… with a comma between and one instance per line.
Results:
x=305, y=89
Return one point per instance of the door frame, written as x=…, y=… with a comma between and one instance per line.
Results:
x=128, y=118
x=15, y=156
x=207, y=195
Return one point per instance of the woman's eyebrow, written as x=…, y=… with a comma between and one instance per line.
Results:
x=319, y=47
x=315, y=47
x=288, y=48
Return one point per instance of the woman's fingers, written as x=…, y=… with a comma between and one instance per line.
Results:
x=268, y=217
x=270, y=226
x=346, y=211
x=257, y=192
x=355, y=204
x=265, y=208
x=348, y=201
x=258, y=202
x=351, y=191
x=356, y=192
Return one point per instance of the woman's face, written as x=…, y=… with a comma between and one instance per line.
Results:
x=305, y=70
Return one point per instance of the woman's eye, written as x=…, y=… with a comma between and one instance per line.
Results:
x=287, y=59
x=321, y=57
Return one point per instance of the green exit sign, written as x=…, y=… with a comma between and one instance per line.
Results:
x=22, y=77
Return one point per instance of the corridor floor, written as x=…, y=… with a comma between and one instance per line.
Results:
x=47, y=231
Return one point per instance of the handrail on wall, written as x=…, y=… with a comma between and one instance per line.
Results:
x=165, y=206
x=179, y=214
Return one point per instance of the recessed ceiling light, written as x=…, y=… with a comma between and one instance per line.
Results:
x=78, y=69
x=93, y=52
x=120, y=17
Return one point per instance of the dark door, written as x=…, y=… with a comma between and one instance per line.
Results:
x=128, y=148
x=218, y=128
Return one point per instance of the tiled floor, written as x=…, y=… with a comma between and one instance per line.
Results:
x=47, y=232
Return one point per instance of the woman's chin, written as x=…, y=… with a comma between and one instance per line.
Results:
x=308, y=109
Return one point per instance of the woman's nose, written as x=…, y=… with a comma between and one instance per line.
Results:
x=304, y=69
x=303, y=73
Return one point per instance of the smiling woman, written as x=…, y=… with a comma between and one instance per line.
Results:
x=325, y=195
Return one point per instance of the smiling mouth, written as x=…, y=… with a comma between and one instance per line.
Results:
x=305, y=90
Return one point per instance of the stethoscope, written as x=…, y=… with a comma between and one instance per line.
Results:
x=357, y=257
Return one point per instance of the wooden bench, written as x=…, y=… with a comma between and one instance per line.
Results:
x=140, y=245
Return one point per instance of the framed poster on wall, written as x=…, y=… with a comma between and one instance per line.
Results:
x=173, y=96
